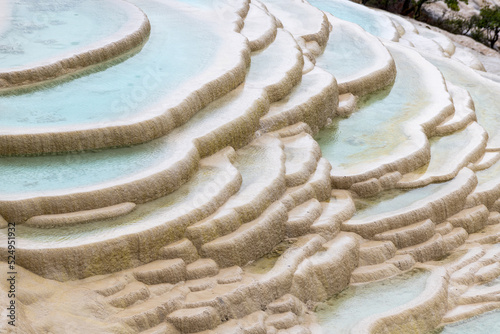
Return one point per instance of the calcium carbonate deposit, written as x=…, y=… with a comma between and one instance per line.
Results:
x=237, y=166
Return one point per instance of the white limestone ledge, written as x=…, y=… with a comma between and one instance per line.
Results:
x=464, y=111
x=419, y=315
x=313, y=102
x=118, y=250
x=303, y=21
x=226, y=73
x=368, y=78
x=415, y=151
x=437, y=207
x=260, y=28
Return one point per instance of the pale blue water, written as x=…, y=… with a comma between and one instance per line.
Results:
x=40, y=30
x=376, y=129
x=345, y=54
x=45, y=173
x=342, y=312
x=370, y=21
x=188, y=197
x=487, y=323
x=179, y=48
x=39, y=174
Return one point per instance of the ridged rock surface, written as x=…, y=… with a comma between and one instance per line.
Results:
x=267, y=161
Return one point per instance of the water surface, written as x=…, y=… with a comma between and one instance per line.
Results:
x=341, y=313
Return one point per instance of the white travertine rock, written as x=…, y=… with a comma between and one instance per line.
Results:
x=464, y=111
x=436, y=207
x=431, y=249
x=293, y=130
x=489, y=235
x=251, y=241
x=241, y=232
x=80, y=217
x=118, y=248
x=282, y=320
x=402, y=262
x=339, y=209
x=201, y=268
x=449, y=154
x=262, y=168
x=486, y=161
x=302, y=155
x=444, y=228
x=287, y=303
x=152, y=312
x=327, y=272
x=347, y=104
x=454, y=239
x=260, y=28
x=376, y=72
x=318, y=186
x=301, y=19
x=225, y=74
x=313, y=102
x=406, y=147
x=463, y=312
x=132, y=293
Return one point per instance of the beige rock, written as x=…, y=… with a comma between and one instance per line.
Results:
x=161, y=271
x=374, y=252
x=472, y=219
x=282, y=320
x=201, y=268
x=194, y=320
x=183, y=249
x=409, y=235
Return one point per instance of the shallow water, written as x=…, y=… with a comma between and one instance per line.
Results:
x=487, y=323
x=448, y=153
x=41, y=30
x=179, y=49
x=346, y=54
x=374, y=23
x=484, y=92
x=195, y=193
x=38, y=175
x=376, y=130
x=341, y=313
x=490, y=174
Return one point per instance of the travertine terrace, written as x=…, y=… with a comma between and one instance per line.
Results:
x=244, y=166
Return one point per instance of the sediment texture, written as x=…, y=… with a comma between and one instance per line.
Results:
x=310, y=156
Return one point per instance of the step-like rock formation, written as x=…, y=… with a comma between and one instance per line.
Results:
x=262, y=166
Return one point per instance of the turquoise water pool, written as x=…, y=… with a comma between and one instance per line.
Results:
x=372, y=22
x=375, y=132
x=487, y=323
x=179, y=49
x=40, y=30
